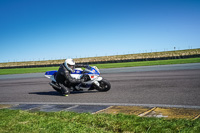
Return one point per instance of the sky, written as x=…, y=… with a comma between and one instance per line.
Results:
x=32, y=30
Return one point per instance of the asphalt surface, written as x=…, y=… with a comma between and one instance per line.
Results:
x=169, y=85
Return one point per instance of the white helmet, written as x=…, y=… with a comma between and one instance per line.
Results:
x=69, y=64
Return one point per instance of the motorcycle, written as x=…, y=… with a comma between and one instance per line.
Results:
x=91, y=76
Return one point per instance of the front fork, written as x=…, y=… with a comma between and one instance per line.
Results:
x=96, y=82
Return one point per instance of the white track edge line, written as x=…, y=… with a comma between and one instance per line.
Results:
x=108, y=104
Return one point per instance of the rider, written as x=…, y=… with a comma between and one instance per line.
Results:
x=63, y=77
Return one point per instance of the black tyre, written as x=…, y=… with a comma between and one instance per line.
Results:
x=58, y=90
x=54, y=84
x=104, y=85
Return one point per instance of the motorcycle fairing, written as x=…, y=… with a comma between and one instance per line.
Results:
x=93, y=73
x=51, y=74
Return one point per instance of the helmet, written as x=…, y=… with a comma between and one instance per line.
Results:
x=69, y=64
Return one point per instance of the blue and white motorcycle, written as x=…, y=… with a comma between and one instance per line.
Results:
x=91, y=76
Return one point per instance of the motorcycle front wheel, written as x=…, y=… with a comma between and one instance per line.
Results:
x=104, y=85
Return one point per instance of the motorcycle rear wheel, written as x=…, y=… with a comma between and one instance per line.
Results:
x=58, y=90
x=104, y=85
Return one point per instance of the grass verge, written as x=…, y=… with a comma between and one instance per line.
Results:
x=101, y=66
x=16, y=121
x=149, y=63
x=156, y=55
x=26, y=70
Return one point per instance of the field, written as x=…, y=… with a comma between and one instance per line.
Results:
x=16, y=121
x=144, y=56
x=101, y=66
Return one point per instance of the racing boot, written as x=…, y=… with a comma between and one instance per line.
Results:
x=65, y=91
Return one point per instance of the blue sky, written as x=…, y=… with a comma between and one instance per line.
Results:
x=57, y=29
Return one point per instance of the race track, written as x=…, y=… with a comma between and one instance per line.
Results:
x=173, y=85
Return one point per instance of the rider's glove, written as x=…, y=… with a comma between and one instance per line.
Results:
x=84, y=77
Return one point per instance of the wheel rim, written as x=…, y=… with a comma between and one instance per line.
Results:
x=103, y=85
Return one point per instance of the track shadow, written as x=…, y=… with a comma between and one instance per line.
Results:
x=80, y=92
x=54, y=93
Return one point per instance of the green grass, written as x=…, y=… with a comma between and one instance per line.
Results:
x=149, y=63
x=16, y=121
x=101, y=66
x=26, y=70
